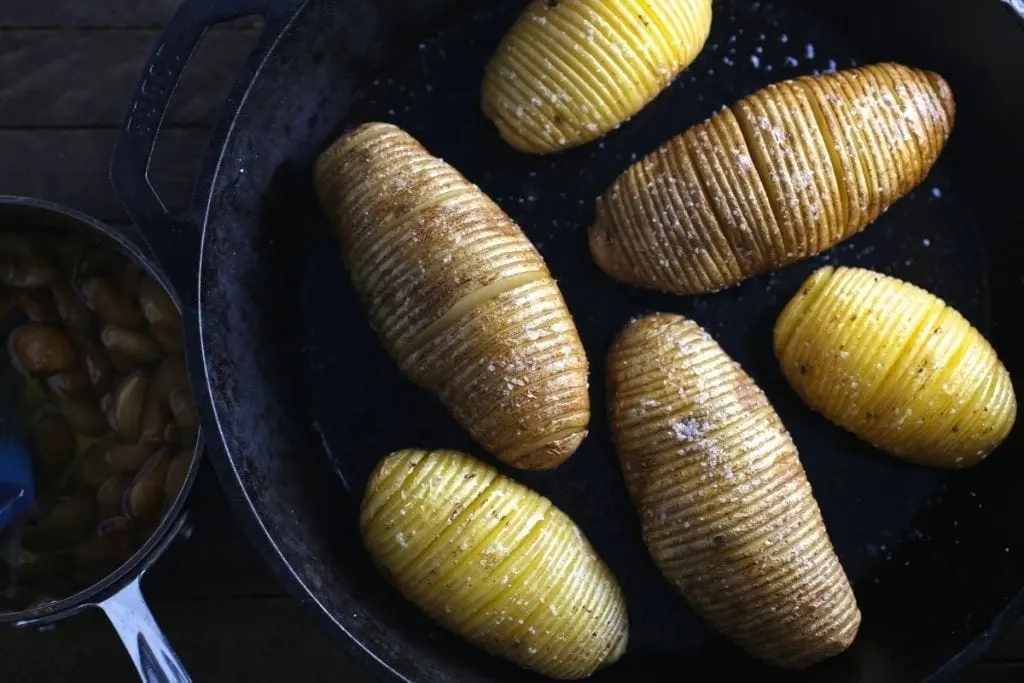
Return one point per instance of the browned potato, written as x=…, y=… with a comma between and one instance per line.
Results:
x=783, y=174
x=156, y=304
x=458, y=294
x=169, y=337
x=109, y=304
x=70, y=308
x=724, y=504
x=24, y=262
x=125, y=415
x=895, y=365
x=145, y=498
x=101, y=372
x=41, y=349
x=170, y=375
x=184, y=410
x=136, y=347
x=493, y=561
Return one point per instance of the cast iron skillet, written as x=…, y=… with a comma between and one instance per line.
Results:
x=118, y=594
x=302, y=401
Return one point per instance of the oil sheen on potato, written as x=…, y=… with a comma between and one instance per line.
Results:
x=494, y=562
x=895, y=365
x=570, y=71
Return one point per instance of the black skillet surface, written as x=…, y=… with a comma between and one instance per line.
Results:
x=306, y=401
x=928, y=239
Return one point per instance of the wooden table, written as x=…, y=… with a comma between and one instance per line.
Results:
x=67, y=69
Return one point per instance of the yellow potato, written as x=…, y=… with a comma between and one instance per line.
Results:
x=569, y=71
x=724, y=504
x=458, y=295
x=494, y=562
x=896, y=366
x=783, y=174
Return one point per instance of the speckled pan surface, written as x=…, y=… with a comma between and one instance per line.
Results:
x=307, y=401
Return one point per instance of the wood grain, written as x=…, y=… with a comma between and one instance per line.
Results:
x=92, y=13
x=70, y=167
x=43, y=84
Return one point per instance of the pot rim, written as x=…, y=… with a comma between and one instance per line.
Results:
x=174, y=519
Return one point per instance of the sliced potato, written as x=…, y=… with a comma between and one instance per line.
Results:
x=724, y=504
x=137, y=347
x=156, y=304
x=70, y=308
x=125, y=415
x=459, y=296
x=184, y=410
x=170, y=375
x=177, y=472
x=570, y=71
x=169, y=337
x=109, y=304
x=24, y=261
x=783, y=174
x=41, y=349
x=896, y=366
x=145, y=499
x=101, y=371
x=494, y=562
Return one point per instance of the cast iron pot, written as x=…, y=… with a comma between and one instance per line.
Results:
x=301, y=401
x=118, y=594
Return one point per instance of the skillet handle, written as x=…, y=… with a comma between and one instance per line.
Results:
x=150, y=652
x=174, y=240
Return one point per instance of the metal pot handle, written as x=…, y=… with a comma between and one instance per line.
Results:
x=152, y=655
x=174, y=240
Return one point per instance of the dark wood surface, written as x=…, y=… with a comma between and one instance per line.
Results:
x=67, y=70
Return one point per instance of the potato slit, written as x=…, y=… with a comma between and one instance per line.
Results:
x=833, y=153
x=519, y=452
x=465, y=305
x=471, y=506
x=524, y=575
x=723, y=224
x=761, y=166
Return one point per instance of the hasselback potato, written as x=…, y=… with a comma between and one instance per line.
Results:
x=895, y=365
x=725, y=507
x=493, y=561
x=781, y=175
x=569, y=71
x=458, y=295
